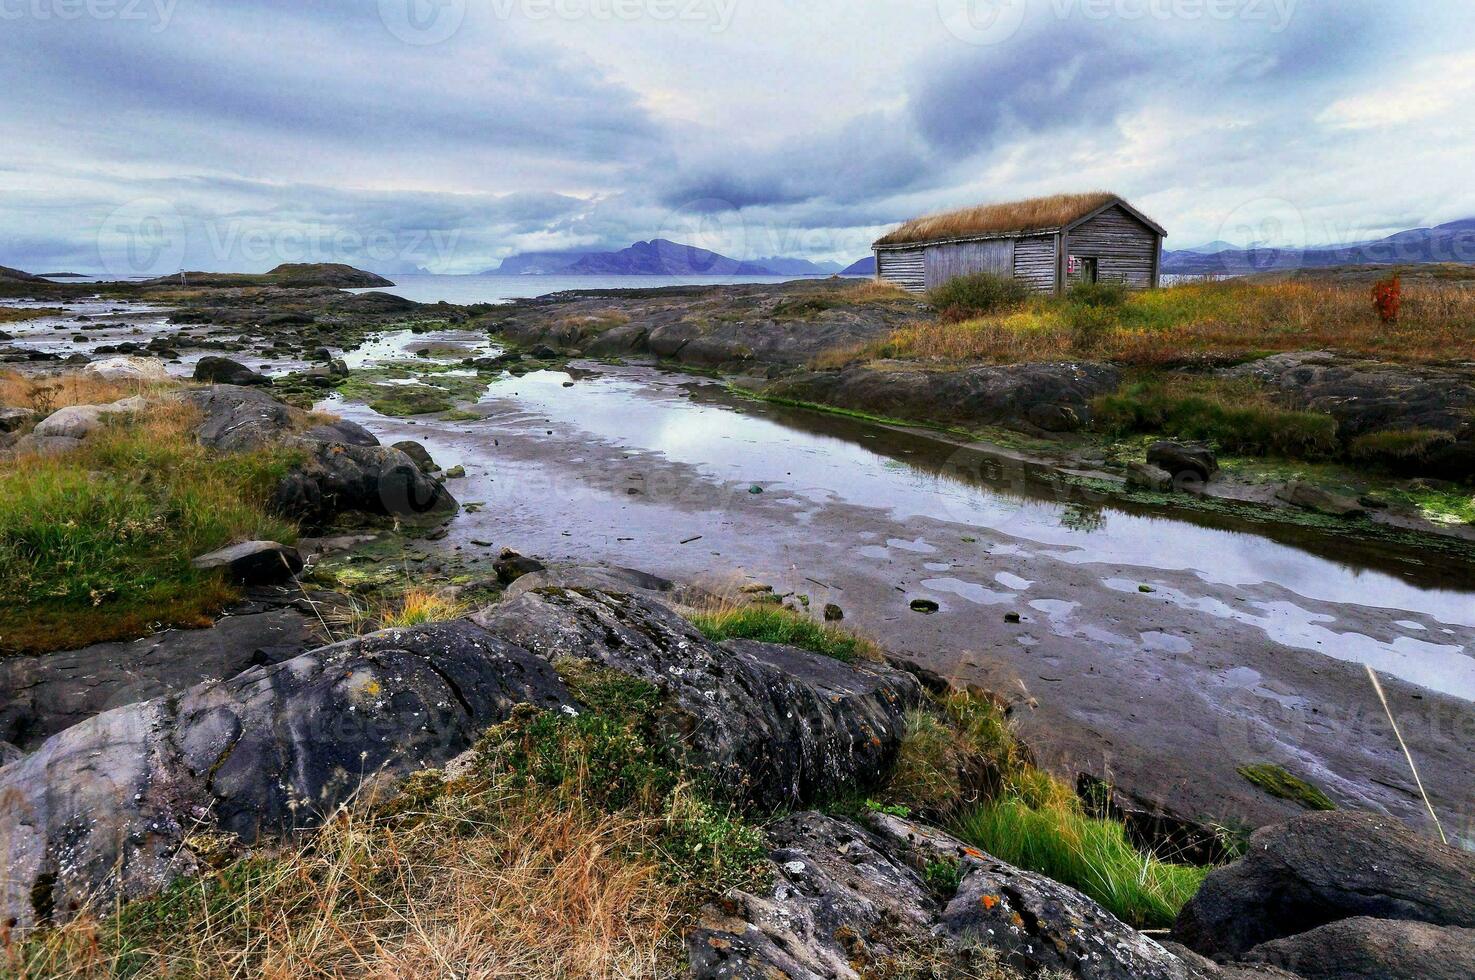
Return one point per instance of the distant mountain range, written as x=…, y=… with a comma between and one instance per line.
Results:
x=659, y=257
x=1452, y=242
x=863, y=267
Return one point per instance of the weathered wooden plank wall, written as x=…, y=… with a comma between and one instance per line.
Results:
x=905, y=268
x=1034, y=262
x=953, y=259
x=1125, y=249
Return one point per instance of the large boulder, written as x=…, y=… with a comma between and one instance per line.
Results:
x=774, y=726
x=1184, y=460
x=1322, y=868
x=339, y=477
x=222, y=370
x=253, y=562
x=106, y=809
x=1374, y=949
x=144, y=370
x=238, y=418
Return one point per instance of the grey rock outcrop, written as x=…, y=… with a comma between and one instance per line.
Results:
x=850, y=900
x=773, y=726
x=1051, y=397
x=48, y=693
x=215, y=369
x=1374, y=949
x=1322, y=868
x=105, y=809
x=237, y=419
x=253, y=562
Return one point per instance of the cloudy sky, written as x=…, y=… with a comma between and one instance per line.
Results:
x=149, y=135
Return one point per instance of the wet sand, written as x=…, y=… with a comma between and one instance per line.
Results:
x=1159, y=652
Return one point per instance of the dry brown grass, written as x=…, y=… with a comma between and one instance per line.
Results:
x=987, y=219
x=416, y=606
x=487, y=884
x=876, y=291
x=1201, y=321
x=11, y=314
x=46, y=393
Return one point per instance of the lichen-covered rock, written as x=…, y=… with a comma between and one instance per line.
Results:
x=839, y=906
x=128, y=368
x=1041, y=923
x=103, y=809
x=1323, y=867
x=773, y=726
x=901, y=899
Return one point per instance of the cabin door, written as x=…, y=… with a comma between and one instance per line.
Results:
x=1088, y=270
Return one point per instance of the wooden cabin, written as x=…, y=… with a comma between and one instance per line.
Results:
x=1049, y=242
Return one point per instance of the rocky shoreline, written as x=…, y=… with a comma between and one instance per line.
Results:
x=132, y=762
x=121, y=805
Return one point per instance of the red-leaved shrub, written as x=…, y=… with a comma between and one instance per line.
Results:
x=1387, y=298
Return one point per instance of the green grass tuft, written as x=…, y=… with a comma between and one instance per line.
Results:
x=977, y=295
x=1090, y=854
x=96, y=544
x=775, y=624
x=1235, y=416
